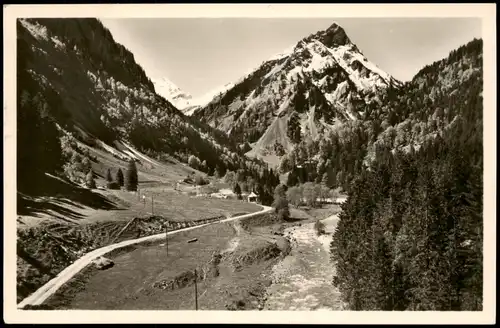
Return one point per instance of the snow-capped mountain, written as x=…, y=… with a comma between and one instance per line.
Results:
x=182, y=100
x=321, y=81
x=168, y=90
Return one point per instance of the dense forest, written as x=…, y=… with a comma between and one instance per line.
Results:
x=410, y=234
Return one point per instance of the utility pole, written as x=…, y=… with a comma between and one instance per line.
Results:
x=166, y=236
x=152, y=206
x=195, y=290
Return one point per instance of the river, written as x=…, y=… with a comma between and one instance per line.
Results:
x=303, y=279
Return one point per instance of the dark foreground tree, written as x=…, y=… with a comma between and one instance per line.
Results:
x=131, y=180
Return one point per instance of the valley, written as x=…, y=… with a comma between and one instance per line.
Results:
x=236, y=262
x=317, y=181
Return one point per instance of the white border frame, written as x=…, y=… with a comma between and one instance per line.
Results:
x=487, y=12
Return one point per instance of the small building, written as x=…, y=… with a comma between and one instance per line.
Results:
x=252, y=198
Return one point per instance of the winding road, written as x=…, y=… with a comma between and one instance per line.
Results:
x=47, y=290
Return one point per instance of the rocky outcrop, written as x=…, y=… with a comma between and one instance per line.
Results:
x=103, y=263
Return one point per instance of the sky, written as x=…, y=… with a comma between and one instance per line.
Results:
x=202, y=54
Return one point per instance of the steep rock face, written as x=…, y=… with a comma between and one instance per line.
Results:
x=321, y=82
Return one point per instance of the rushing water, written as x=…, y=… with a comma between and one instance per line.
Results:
x=303, y=280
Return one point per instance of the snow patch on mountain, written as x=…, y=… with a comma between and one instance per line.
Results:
x=324, y=78
x=168, y=90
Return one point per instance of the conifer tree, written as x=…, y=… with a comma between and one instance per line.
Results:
x=131, y=178
x=237, y=190
x=108, y=176
x=280, y=203
x=119, y=177
x=89, y=180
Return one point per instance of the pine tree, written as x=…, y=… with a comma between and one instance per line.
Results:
x=280, y=202
x=237, y=190
x=108, y=176
x=89, y=180
x=119, y=177
x=131, y=179
x=292, y=178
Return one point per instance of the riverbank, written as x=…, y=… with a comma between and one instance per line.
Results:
x=303, y=279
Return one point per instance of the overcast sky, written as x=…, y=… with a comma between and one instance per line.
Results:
x=201, y=54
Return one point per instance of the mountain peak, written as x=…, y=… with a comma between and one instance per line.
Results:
x=168, y=90
x=333, y=36
x=303, y=92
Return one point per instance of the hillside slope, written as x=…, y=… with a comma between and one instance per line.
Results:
x=76, y=82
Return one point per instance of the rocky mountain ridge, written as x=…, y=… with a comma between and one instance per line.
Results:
x=309, y=89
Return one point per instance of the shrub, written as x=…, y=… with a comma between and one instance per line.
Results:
x=200, y=181
x=319, y=227
x=284, y=214
x=194, y=162
x=294, y=194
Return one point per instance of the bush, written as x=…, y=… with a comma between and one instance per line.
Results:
x=319, y=227
x=200, y=181
x=194, y=162
x=294, y=195
x=113, y=185
x=284, y=214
